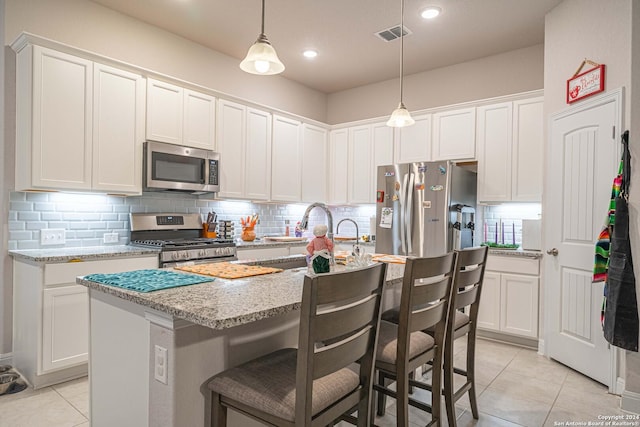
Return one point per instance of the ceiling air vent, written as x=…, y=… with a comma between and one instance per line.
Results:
x=393, y=33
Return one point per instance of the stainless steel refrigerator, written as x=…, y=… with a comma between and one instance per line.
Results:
x=424, y=209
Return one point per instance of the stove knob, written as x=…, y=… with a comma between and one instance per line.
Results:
x=202, y=253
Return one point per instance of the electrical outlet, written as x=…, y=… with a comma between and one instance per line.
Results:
x=111, y=237
x=160, y=367
x=52, y=236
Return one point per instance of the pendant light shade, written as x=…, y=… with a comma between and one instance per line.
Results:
x=262, y=57
x=401, y=116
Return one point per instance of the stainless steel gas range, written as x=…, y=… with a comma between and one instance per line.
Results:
x=178, y=238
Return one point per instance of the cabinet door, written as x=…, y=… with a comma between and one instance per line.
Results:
x=414, y=143
x=231, y=146
x=528, y=143
x=62, y=121
x=489, y=312
x=285, y=160
x=314, y=164
x=494, y=155
x=199, y=120
x=382, y=139
x=519, y=302
x=454, y=134
x=258, y=155
x=65, y=327
x=338, y=165
x=118, y=130
x=164, y=112
x=359, y=168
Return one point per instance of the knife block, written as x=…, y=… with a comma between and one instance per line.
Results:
x=209, y=234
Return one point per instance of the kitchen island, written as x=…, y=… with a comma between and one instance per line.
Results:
x=150, y=353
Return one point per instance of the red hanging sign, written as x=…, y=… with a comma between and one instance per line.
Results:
x=585, y=84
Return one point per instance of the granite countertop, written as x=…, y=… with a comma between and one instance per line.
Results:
x=225, y=303
x=59, y=255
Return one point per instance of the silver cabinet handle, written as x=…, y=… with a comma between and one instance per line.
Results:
x=553, y=251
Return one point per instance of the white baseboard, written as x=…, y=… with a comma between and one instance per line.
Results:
x=630, y=402
x=541, y=350
x=619, y=388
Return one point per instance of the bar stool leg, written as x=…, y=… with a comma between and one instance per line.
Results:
x=471, y=370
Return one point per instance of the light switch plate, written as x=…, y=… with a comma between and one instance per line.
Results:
x=52, y=236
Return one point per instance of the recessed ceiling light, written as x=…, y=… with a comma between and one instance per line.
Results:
x=431, y=12
x=310, y=53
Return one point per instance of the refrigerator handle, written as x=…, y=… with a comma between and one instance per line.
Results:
x=403, y=203
x=409, y=211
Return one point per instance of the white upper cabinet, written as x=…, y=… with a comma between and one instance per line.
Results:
x=231, y=139
x=382, y=140
x=338, y=166
x=180, y=116
x=286, y=152
x=527, y=155
x=74, y=117
x=510, y=156
x=414, y=142
x=314, y=164
x=118, y=129
x=54, y=120
x=199, y=120
x=454, y=134
x=360, y=188
x=258, y=155
x=244, y=145
x=495, y=134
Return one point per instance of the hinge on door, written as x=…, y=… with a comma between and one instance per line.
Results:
x=613, y=132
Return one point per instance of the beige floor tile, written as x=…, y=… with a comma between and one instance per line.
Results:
x=526, y=412
x=76, y=392
x=511, y=384
x=484, y=420
x=587, y=402
x=43, y=409
x=581, y=382
x=562, y=416
x=533, y=365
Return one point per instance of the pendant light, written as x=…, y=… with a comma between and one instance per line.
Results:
x=262, y=57
x=400, y=116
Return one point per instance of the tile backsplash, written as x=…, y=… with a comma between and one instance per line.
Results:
x=503, y=223
x=87, y=217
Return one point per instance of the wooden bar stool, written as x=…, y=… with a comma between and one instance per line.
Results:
x=313, y=385
x=403, y=347
x=468, y=285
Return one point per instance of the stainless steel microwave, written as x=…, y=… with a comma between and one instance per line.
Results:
x=169, y=167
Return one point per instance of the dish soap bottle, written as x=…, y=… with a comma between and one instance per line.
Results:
x=286, y=228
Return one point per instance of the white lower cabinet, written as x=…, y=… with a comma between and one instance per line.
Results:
x=509, y=300
x=51, y=316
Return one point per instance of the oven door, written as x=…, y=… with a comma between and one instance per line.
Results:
x=179, y=168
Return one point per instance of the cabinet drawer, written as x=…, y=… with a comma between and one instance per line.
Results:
x=513, y=264
x=55, y=274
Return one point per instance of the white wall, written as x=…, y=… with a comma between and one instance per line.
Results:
x=600, y=31
x=504, y=74
x=90, y=26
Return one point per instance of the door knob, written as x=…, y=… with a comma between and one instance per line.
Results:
x=553, y=251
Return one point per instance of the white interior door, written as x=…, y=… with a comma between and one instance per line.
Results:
x=582, y=160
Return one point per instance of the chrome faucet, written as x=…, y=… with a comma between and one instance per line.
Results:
x=356, y=247
x=304, y=223
x=354, y=223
